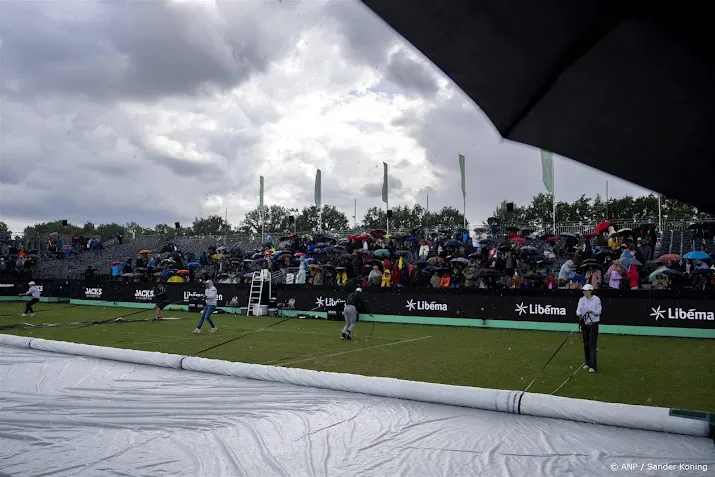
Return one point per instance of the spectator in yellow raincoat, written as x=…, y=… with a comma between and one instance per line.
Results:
x=386, y=278
x=341, y=277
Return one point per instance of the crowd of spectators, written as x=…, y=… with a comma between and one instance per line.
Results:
x=15, y=259
x=487, y=258
x=77, y=244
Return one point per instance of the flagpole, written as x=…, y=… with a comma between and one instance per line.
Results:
x=464, y=209
x=387, y=204
x=553, y=195
x=263, y=223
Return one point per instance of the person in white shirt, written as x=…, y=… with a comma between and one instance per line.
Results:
x=589, y=314
x=211, y=301
x=34, y=292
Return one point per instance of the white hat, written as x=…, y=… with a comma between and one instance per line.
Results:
x=588, y=287
x=31, y=283
x=358, y=289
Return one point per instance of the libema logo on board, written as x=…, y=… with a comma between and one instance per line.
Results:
x=328, y=302
x=535, y=309
x=681, y=314
x=423, y=305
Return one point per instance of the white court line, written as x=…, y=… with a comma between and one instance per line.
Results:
x=355, y=350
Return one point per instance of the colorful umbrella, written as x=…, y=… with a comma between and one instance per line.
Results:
x=670, y=257
x=144, y=252
x=602, y=227
x=697, y=255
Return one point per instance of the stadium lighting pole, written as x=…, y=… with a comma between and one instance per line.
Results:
x=660, y=215
x=355, y=215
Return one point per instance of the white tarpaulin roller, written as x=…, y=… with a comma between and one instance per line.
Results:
x=71, y=414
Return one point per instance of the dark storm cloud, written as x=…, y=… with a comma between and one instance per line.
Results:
x=186, y=168
x=412, y=76
x=139, y=50
x=374, y=189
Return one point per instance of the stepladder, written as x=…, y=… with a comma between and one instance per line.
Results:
x=258, y=282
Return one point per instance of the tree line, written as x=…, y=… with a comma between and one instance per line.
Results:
x=277, y=218
x=590, y=210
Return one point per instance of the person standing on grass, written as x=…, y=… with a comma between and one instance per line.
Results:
x=34, y=292
x=159, y=301
x=211, y=301
x=353, y=306
x=589, y=314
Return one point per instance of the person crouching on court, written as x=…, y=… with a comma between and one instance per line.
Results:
x=34, y=292
x=589, y=314
x=211, y=295
x=353, y=305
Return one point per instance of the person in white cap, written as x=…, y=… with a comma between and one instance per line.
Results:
x=211, y=301
x=589, y=314
x=353, y=306
x=34, y=292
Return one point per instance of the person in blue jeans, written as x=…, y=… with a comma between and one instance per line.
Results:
x=211, y=301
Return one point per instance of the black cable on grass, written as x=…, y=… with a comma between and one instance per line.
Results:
x=239, y=337
x=552, y=357
x=28, y=326
x=119, y=318
x=64, y=307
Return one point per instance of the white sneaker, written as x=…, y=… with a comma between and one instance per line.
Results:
x=24, y=314
x=213, y=330
x=197, y=330
x=591, y=370
x=585, y=366
x=32, y=314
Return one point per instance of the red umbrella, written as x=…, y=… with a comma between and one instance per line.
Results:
x=182, y=272
x=671, y=257
x=603, y=226
x=116, y=262
x=518, y=240
x=591, y=235
x=552, y=239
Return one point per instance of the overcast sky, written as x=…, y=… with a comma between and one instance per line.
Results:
x=157, y=112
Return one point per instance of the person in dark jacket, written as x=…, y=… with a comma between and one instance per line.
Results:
x=353, y=306
x=160, y=301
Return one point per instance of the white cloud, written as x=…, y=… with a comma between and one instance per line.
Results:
x=181, y=115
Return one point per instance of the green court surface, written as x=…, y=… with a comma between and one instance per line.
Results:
x=657, y=371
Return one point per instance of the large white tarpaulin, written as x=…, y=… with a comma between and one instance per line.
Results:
x=77, y=415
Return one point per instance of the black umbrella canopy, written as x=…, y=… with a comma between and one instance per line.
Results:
x=604, y=82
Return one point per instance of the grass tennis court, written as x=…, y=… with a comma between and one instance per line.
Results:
x=668, y=372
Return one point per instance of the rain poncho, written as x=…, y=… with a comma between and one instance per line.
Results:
x=300, y=279
x=567, y=269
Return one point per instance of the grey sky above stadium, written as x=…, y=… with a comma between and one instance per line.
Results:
x=157, y=112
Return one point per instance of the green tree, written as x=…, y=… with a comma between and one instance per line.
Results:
x=4, y=231
x=276, y=221
x=374, y=218
x=448, y=218
x=163, y=229
x=135, y=228
x=107, y=231
x=44, y=229
x=516, y=216
x=333, y=219
x=211, y=225
x=403, y=217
